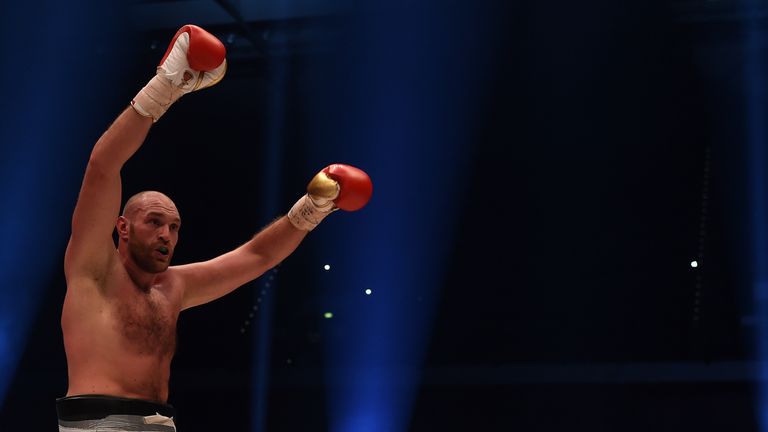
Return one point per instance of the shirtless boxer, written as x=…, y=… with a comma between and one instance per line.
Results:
x=122, y=304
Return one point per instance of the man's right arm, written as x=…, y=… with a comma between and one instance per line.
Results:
x=195, y=59
x=91, y=246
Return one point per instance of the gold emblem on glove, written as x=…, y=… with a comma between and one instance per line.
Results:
x=323, y=189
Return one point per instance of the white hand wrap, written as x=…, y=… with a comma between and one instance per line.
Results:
x=306, y=214
x=156, y=97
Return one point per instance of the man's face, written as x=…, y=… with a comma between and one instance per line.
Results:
x=153, y=234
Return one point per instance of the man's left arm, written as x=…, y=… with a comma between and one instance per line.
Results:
x=209, y=280
x=337, y=186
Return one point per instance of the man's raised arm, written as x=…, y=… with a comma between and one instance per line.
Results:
x=195, y=59
x=90, y=245
x=337, y=186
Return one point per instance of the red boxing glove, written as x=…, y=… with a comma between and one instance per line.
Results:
x=195, y=59
x=355, y=187
x=337, y=186
x=205, y=52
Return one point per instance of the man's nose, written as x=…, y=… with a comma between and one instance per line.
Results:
x=165, y=233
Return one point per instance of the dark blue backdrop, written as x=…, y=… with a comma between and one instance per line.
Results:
x=544, y=176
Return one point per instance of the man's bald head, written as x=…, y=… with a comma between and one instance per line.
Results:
x=144, y=199
x=148, y=230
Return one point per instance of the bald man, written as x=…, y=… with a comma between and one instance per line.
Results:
x=122, y=303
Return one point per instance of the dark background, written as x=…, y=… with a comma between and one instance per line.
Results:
x=607, y=154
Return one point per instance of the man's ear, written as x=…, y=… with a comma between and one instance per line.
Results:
x=122, y=228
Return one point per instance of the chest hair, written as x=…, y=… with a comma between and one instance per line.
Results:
x=147, y=324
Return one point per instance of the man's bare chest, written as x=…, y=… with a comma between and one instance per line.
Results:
x=147, y=321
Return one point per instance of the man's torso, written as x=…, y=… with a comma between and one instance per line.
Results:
x=120, y=339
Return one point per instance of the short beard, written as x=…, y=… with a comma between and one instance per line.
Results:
x=142, y=256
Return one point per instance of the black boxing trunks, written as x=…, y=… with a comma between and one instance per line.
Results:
x=113, y=414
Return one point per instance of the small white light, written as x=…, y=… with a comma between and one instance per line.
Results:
x=368, y=291
x=327, y=267
x=694, y=264
x=328, y=315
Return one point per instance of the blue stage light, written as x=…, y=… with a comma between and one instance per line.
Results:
x=407, y=120
x=755, y=94
x=53, y=99
x=270, y=180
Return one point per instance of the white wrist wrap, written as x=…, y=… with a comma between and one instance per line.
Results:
x=156, y=97
x=306, y=215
